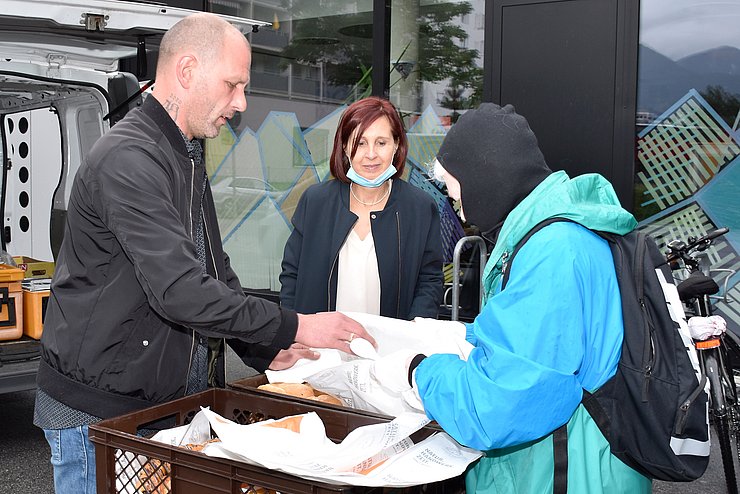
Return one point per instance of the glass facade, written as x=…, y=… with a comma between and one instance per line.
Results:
x=317, y=56
x=688, y=146
x=313, y=60
x=304, y=71
x=436, y=73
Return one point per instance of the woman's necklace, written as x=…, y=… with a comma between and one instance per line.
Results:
x=382, y=197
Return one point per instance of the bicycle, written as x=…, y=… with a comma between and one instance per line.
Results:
x=717, y=349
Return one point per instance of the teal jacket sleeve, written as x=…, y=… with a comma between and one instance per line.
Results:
x=555, y=330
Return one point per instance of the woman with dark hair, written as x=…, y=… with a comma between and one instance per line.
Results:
x=365, y=241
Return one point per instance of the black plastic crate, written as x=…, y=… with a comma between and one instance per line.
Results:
x=163, y=469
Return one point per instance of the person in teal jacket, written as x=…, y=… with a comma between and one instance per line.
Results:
x=555, y=330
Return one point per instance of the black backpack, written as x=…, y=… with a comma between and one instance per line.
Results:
x=653, y=411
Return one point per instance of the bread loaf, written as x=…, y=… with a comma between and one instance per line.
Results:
x=292, y=423
x=272, y=388
x=200, y=446
x=301, y=390
x=325, y=398
x=298, y=389
x=154, y=477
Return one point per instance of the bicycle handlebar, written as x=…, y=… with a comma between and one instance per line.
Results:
x=712, y=235
x=678, y=249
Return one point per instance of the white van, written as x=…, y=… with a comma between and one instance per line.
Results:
x=60, y=90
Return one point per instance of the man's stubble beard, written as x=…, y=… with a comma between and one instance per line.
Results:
x=203, y=124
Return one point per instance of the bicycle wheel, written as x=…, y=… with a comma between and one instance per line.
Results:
x=731, y=358
x=731, y=344
x=721, y=414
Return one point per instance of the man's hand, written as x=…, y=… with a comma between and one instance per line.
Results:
x=286, y=358
x=329, y=330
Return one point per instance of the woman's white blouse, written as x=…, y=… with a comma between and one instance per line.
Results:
x=358, y=279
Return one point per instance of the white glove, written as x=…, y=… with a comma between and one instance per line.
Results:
x=455, y=328
x=702, y=328
x=392, y=371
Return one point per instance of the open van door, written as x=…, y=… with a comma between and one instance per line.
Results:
x=59, y=80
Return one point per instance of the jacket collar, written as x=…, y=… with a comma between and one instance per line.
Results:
x=588, y=200
x=154, y=110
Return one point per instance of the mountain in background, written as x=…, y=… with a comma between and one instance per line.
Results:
x=663, y=81
x=724, y=60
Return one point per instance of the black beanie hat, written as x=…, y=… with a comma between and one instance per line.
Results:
x=494, y=155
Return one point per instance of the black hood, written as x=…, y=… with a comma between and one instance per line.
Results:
x=494, y=155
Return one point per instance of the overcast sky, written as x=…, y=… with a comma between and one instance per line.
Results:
x=677, y=28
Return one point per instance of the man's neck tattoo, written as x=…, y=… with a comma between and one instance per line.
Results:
x=172, y=106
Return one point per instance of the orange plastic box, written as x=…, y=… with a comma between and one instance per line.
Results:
x=11, y=303
x=34, y=310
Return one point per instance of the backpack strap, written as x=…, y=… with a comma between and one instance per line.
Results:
x=560, y=460
x=539, y=226
x=560, y=435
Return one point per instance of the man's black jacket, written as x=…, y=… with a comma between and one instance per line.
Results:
x=129, y=293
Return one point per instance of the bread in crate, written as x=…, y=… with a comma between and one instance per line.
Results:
x=154, y=476
x=300, y=390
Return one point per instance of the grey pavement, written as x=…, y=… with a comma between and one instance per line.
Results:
x=24, y=453
x=25, y=468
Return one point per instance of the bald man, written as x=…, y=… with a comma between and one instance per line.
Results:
x=144, y=297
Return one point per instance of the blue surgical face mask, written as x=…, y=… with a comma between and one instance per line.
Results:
x=376, y=182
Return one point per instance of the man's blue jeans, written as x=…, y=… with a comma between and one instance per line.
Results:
x=73, y=459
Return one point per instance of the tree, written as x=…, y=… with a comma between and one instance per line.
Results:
x=441, y=51
x=347, y=60
x=724, y=103
x=454, y=99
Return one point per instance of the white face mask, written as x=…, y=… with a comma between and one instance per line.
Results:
x=371, y=183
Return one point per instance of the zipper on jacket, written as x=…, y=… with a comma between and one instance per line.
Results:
x=192, y=191
x=328, y=282
x=331, y=271
x=334, y=263
x=504, y=264
x=190, y=214
x=398, y=293
x=190, y=361
x=208, y=241
x=207, y=235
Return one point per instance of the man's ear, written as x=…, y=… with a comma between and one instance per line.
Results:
x=186, y=66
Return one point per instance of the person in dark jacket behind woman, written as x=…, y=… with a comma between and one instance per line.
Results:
x=143, y=296
x=366, y=241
